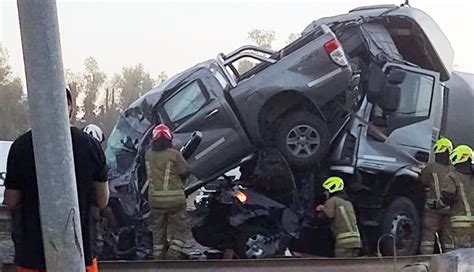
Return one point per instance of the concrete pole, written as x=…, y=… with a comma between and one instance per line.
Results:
x=59, y=210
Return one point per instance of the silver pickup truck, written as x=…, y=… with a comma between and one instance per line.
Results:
x=359, y=95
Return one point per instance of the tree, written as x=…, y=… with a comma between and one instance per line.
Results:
x=244, y=66
x=13, y=119
x=292, y=37
x=162, y=77
x=262, y=38
x=94, y=79
x=108, y=112
x=75, y=83
x=133, y=84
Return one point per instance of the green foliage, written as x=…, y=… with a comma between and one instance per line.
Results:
x=99, y=101
x=292, y=37
x=262, y=38
x=94, y=79
x=134, y=83
x=13, y=118
x=244, y=65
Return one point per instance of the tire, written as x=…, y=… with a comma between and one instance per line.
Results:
x=309, y=138
x=246, y=237
x=401, y=219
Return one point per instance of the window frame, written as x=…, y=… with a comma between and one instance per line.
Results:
x=178, y=122
x=433, y=79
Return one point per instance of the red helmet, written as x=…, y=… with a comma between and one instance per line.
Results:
x=161, y=131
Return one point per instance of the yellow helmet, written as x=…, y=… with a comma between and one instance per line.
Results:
x=462, y=153
x=442, y=145
x=334, y=184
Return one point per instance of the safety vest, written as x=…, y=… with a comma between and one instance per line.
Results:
x=461, y=210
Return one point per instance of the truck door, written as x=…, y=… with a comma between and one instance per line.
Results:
x=405, y=135
x=198, y=105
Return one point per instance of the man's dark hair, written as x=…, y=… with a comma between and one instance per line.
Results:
x=161, y=144
x=69, y=97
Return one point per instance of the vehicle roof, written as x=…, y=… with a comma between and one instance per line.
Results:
x=366, y=11
x=139, y=114
x=438, y=40
x=154, y=95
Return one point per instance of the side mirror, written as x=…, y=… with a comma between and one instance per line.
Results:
x=188, y=149
x=390, y=101
x=396, y=76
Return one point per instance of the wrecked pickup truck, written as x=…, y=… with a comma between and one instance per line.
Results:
x=358, y=95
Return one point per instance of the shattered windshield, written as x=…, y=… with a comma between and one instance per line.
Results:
x=122, y=147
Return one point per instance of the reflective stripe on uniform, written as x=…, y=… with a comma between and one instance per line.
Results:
x=349, y=234
x=158, y=250
x=167, y=193
x=467, y=207
x=461, y=221
x=427, y=243
x=177, y=242
x=427, y=247
x=347, y=237
x=346, y=218
x=448, y=246
x=176, y=248
x=436, y=184
x=166, y=179
x=461, y=225
x=158, y=247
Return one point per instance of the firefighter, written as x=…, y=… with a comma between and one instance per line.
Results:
x=343, y=220
x=458, y=193
x=95, y=132
x=166, y=170
x=436, y=220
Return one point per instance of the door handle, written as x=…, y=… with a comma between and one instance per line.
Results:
x=212, y=113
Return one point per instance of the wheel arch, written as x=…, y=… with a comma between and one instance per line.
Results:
x=279, y=104
x=405, y=183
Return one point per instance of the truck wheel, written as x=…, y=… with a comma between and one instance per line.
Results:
x=302, y=138
x=403, y=222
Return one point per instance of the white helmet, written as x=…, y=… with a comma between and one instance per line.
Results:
x=95, y=132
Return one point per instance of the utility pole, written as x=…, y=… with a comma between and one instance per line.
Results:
x=59, y=209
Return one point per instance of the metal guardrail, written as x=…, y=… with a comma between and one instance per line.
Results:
x=371, y=264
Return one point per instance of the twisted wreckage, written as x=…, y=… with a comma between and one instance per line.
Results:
x=362, y=95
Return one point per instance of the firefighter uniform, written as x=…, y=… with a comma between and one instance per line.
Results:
x=167, y=202
x=458, y=193
x=462, y=219
x=435, y=221
x=344, y=223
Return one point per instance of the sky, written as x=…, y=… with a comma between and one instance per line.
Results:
x=171, y=36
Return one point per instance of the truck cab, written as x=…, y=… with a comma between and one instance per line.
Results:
x=389, y=138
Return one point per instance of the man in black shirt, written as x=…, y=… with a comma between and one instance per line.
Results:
x=21, y=195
